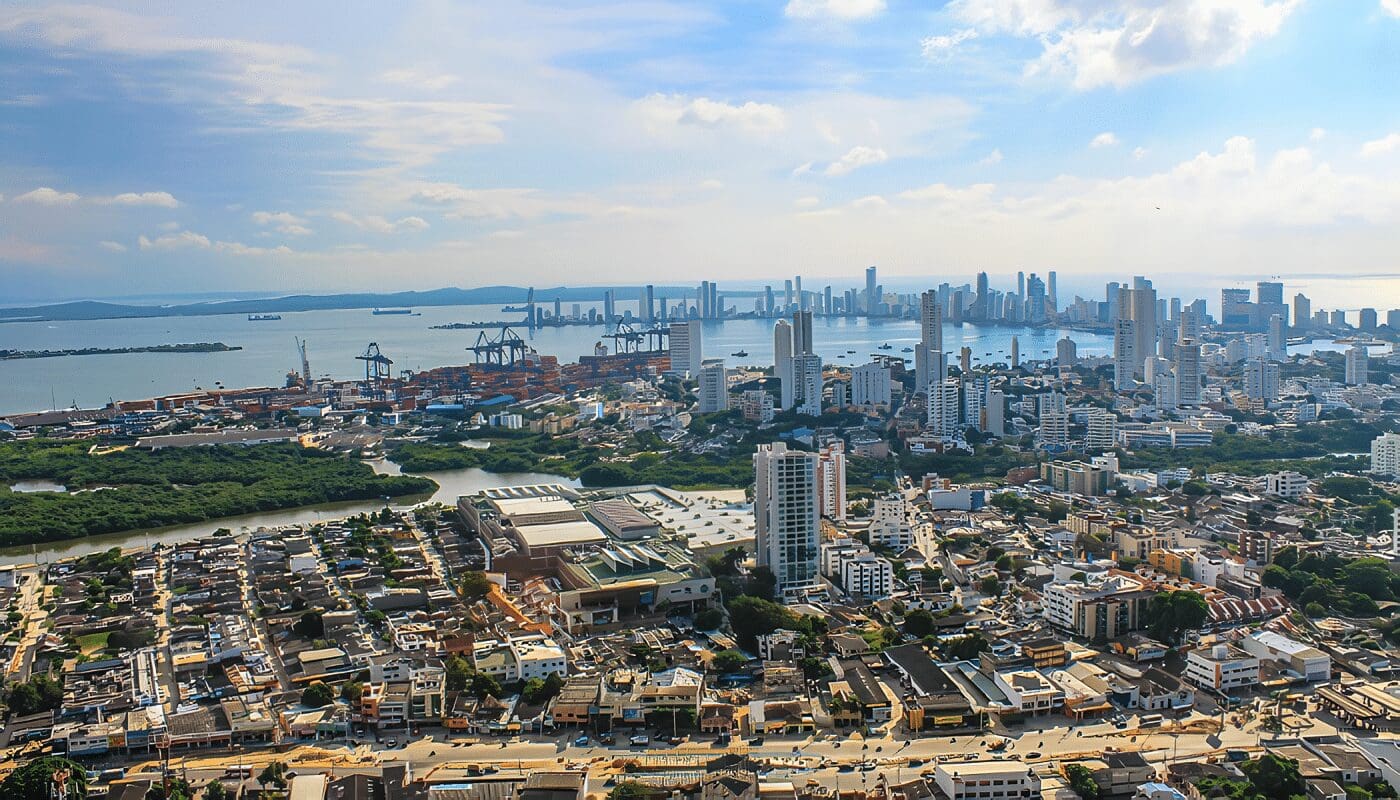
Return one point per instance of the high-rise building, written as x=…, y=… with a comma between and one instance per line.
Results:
x=1367, y=321
x=1235, y=308
x=686, y=348
x=786, y=516
x=1187, y=374
x=1066, y=352
x=801, y=332
x=782, y=363
x=1142, y=309
x=1357, y=366
x=787, y=295
x=995, y=413
x=831, y=480
x=1124, y=341
x=1054, y=429
x=930, y=364
x=767, y=301
x=1392, y=319
x=807, y=383
x=1020, y=284
x=1102, y=430
x=648, y=305
x=975, y=391
x=1035, y=300
x=872, y=299
x=1269, y=293
x=1302, y=312
x=1276, y=340
x=1051, y=296
x=1385, y=455
x=608, y=311
x=945, y=407
x=870, y=384
x=980, y=305
x=1261, y=380
x=714, y=386
x=1016, y=351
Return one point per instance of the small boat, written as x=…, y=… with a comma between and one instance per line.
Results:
x=740, y=354
x=886, y=346
x=263, y=317
x=907, y=350
x=381, y=311
x=850, y=351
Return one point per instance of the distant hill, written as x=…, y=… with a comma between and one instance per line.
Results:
x=485, y=295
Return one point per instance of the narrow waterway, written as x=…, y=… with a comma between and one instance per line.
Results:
x=451, y=485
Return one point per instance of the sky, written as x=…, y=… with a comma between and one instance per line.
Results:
x=191, y=147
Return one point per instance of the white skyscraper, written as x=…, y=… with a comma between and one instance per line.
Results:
x=1261, y=380
x=782, y=363
x=1124, y=362
x=1054, y=429
x=686, y=348
x=786, y=515
x=1357, y=366
x=1187, y=373
x=714, y=386
x=1066, y=352
x=944, y=407
x=1103, y=430
x=1276, y=341
x=995, y=413
x=807, y=383
x=1385, y=454
x=831, y=480
x=930, y=364
x=870, y=384
x=801, y=333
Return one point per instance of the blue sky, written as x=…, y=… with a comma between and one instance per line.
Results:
x=200, y=147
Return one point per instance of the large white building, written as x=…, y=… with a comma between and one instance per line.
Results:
x=930, y=364
x=890, y=526
x=714, y=386
x=1054, y=429
x=1103, y=430
x=1261, y=380
x=786, y=515
x=1124, y=360
x=866, y=575
x=945, y=407
x=807, y=383
x=1221, y=667
x=831, y=480
x=1286, y=484
x=687, y=349
x=1187, y=372
x=1385, y=454
x=986, y=780
x=1357, y=366
x=1300, y=659
x=870, y=385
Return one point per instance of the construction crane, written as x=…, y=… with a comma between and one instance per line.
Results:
x=305, y=365
x=505, y=349
x=631, y=342
x=376, y=365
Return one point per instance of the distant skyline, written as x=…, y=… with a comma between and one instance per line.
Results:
x=204, y=148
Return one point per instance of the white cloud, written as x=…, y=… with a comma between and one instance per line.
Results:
x=809, y=201
x=870, y=201
x=991, y=158
x=1318, y=134
x=803, y=168
x=1391, y=7
x=833, y=9
x=855, y=158
x=283, y=222
x=158, y=199
x=377, y=224
x=937, y=48
x=44, y=196
x=175, y=241
x=662, y=111
x=110, y=246
x=1381, y=146
x=460, y=202
x=1139, y=153
x=419, y=79
x=1105, y=139
x=1097, y=43
x=712, y=184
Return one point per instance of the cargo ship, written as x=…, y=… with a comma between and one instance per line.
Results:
x=378, y=311
x=263, y=317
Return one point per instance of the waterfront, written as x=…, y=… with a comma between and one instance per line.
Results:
x=451, y=485
x=336, y=337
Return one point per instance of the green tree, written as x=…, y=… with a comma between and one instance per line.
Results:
x=729, y=661
x=459, y=673
x=1273, y=776
x=216, y=791
x=311, y=625
x=709, y=619
x=171, y=788
x=538, y=691
x=36, y=779
x=475, y=585
x=1171, y=613
x=1081, y=781
x=317, y=695
x=274, y=775
x=964, y=648
x=1369, y=576
x=990, y=586
x=630, y=790
x=351, y=692
x=918, y=623
x=751, y=617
